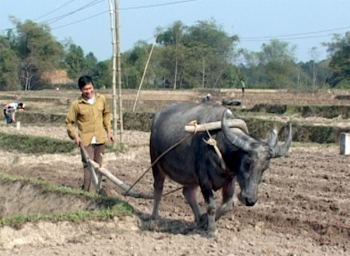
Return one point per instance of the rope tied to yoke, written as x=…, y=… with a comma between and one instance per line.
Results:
x=212, y=142
x=164, y=153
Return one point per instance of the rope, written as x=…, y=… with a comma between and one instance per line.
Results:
x=212, y=142
x=159, y=157
x=172, y=191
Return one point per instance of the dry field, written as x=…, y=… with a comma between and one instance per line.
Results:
x=304, y=207
x=151, y=100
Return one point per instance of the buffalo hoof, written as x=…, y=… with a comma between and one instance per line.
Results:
x=147, y=217
x=154, y=217
x=203, y=221
x=212, y=233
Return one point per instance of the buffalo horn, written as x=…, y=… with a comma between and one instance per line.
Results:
x=281, y=150
x=272, y=138
x=235, y=138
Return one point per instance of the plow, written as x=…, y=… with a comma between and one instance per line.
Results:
x=97, y=170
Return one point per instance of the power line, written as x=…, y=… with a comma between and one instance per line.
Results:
x=156, y=5
x=55, y=19
x=124, y=9
x=78, y=21
x=285, y=38
x=58, y=18
x=293, y=35
x=56, y=9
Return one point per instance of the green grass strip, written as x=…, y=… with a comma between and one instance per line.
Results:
x=77, y=216
x=46, y=185
x=112, y=206
x=30, y=144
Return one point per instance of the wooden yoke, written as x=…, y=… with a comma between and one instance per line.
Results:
x=233, y=123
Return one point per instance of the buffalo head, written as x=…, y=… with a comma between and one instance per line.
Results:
x=253, y=157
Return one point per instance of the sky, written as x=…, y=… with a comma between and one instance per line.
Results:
x=302, y=23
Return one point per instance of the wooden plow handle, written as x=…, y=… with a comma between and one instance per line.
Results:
x=96, y=168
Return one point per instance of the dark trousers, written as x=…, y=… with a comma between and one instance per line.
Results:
x=94, y=152
x=7, y=117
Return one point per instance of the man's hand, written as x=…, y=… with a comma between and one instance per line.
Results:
x=77, y=140
x=110, y=136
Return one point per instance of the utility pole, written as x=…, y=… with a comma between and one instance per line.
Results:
x=114, y=69
x=116, y=11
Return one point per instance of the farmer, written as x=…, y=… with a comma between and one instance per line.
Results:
x=243, y=87
x=90, y=112
x=10, y=111
x=207, y=98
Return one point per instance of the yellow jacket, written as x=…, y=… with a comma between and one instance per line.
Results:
x=92, y=120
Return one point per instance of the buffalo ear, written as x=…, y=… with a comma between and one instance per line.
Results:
x=272, y=138
x=281, y=150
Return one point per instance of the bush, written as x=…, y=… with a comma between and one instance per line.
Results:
x=344, y=84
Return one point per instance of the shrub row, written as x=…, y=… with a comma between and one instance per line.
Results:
x=301, y=132
x=304, y=111
x=257, y=127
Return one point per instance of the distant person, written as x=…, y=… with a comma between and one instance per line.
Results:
x=243, y=86
x=91, y=113
x=207, y=97
x=10, y=110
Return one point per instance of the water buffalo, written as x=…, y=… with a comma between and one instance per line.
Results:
x=195, y=163
x=231, y=102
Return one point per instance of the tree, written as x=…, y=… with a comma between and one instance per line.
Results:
x=8, y=66
x=75, y=61
x=339, y=52
x=102, y=74
x=38, y=51
x=209, y=54
x=276, y=65
x=314, y=55
x=90, y=62
x=308, y=74
x=172, y=38
x=323, y=73
x=133, y=64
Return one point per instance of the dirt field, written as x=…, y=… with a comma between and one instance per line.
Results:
x=304, y=208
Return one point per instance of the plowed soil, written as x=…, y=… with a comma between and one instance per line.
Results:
x=303, y=209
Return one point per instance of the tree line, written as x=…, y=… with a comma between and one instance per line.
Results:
x=184, y=57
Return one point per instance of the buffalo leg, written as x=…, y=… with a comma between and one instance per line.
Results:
x=227, y=200
x=158, y=185
x=211, y=207
x=191, y=197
